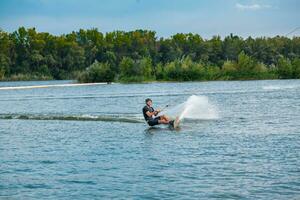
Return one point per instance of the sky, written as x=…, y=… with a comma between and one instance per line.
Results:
x=207, y=18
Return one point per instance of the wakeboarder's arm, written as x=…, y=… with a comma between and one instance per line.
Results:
x=150, y=114
x=156, y=112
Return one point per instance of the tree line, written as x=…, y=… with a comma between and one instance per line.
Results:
x=135, y=56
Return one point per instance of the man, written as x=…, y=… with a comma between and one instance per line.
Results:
x=151, y=117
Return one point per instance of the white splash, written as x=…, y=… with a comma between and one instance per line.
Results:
x=195, y=107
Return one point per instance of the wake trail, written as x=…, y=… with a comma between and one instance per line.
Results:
x=280, y=87
x=108, y=118
x=49, y=86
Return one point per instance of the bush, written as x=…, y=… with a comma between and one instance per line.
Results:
x=212, y=73
x=245, y=68
x=172, y=71
x=229, y=70
x=27, y=77
x=192, y=71
x=97, y=72
x=135, y=70
x=159, y=72
x=285, y=68
x=245, y=63
x=296, y=68
x=183, y=70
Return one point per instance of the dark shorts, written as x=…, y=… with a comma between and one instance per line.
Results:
x=154, y=121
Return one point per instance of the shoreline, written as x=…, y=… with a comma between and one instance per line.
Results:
x=76, y=83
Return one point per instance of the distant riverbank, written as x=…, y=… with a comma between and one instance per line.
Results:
x=270, y=76
x=139, y=56
x=245, y=68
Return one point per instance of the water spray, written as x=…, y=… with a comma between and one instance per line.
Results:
x=195, y=107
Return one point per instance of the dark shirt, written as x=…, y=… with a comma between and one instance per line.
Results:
x=146, y=109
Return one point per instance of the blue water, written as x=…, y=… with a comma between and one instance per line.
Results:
x=75, y=142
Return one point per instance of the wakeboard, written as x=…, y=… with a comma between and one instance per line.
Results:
x=176, y=123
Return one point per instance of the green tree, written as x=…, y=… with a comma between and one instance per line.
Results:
x=139, y=55
x=215, y=51
x=168, y=51
x=296, y=68
x=4, y=65
x=6, y=53
x=232, y=46
x=285, y=68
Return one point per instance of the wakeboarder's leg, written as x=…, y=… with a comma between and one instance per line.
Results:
x=163, y=121
x=165, y=117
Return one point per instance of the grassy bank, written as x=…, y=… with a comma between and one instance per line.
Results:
x=27, y=77
x=185, y=69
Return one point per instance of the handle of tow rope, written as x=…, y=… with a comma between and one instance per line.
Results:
x=164, y=107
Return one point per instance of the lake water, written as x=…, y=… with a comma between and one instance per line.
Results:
x=90, y=142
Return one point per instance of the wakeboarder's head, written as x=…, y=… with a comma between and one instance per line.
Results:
x=148, y=102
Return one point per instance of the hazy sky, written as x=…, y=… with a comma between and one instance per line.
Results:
x=166, y=17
